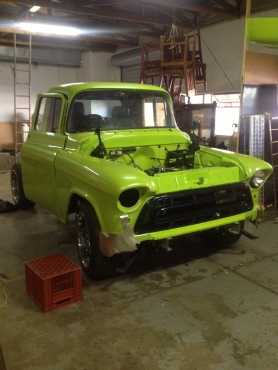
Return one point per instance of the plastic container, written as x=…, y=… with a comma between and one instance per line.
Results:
x=53, y=281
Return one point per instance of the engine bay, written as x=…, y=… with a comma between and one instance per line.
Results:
x=155, y=159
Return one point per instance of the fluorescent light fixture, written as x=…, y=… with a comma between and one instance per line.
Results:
x=48, y=29
x=34, y=9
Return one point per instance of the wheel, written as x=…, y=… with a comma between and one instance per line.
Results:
x=224, y=236
x=92, y=261
x=18, y=195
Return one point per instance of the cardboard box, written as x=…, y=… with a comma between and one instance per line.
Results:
x=6, y=136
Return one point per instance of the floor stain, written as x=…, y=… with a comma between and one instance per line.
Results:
x=241, y=353
x=3, y=276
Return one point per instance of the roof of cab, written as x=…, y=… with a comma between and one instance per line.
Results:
x=72, y=89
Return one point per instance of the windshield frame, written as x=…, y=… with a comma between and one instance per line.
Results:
x=169, y=109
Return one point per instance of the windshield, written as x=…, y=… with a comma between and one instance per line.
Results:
x=118, y=110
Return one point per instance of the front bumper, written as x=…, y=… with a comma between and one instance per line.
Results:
x=194, y=211
x=191, y=229
x=176, y=214
x=127, y=241
x=190, y=207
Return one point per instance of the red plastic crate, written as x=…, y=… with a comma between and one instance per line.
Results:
x=53, y=281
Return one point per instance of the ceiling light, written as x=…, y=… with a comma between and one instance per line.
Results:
x=48, y=29
x=34, y=8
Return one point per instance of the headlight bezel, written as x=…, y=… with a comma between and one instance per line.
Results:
x=259, y=178
x=129, y=197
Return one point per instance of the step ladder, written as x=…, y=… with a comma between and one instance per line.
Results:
x=22, y=92
x=273, y=134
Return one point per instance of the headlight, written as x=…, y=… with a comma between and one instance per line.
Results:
x=129, y=198
x=258, y=179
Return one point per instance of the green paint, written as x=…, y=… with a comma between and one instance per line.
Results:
x=263, y=30
x=57, y=167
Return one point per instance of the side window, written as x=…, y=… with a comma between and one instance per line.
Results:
x=49, y=114
x=155, y=112
x=41, y=123
x=160, y=113
x=56, y=114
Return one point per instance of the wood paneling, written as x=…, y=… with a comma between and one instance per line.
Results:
x=261, y=69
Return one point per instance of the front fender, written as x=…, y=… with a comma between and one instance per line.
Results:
x=114, y=177
x=100, y=182
x=247, y=164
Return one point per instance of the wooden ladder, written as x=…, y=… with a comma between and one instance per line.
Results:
x=22, y=93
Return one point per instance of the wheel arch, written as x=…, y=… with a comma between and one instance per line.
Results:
x=17, y=188
x=74, y=199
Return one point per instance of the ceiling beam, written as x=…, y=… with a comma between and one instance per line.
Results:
x=236, y=8
x=82, y=41
x=108, y=14
x=96, y=45
x=223, y=4
x=192, y=6
x=38, y=44
x=135, y=18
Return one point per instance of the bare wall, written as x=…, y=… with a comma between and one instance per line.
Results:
x=95, y=66
x=222, y=46
x=98, y=67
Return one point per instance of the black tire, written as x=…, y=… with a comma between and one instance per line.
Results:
x=223, y=236
x=18, y=195
x=92, y=261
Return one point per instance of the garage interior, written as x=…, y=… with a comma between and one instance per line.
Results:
x=192, y=306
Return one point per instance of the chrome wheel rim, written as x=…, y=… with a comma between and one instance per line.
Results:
x=84, y=243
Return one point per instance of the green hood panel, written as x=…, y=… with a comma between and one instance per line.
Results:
x=129, y=138
x=119, y=177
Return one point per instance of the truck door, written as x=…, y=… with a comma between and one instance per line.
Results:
x=45, y=140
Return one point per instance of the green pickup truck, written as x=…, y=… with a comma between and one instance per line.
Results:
x=111, y=155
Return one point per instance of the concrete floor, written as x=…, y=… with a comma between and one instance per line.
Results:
x=192, y=309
